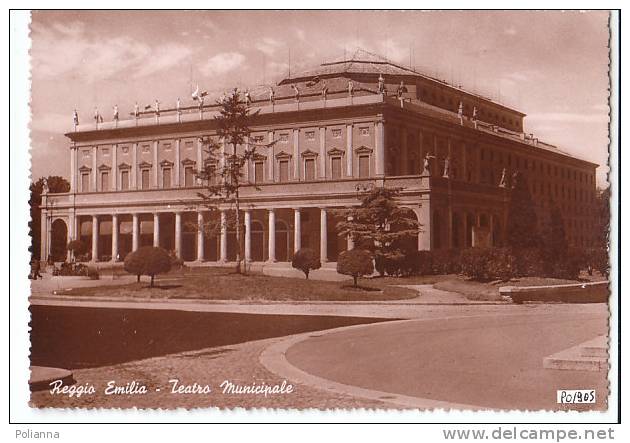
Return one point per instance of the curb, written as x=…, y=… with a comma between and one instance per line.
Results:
x=274, y=359
x=34, y=298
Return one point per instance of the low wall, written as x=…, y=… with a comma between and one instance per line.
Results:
x=596, y=292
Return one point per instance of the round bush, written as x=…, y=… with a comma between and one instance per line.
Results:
x=306, y=261
x=148, y=260
x=356, y=263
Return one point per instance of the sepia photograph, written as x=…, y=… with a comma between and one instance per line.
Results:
x=328, y=210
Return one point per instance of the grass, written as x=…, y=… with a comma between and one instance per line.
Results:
x=489, y=291
x=224, y=284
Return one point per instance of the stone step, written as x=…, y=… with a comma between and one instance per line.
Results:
x=576, y=363
x=594, y=351
x=591, y=355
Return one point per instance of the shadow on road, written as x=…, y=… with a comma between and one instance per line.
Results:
x=76, y=337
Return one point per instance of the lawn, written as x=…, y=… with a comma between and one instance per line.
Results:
x=489, y=291
x=225, y=284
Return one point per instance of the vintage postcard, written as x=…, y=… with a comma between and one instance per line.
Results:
x=390, y=210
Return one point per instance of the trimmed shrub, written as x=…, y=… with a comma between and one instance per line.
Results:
x=487, y=264
x=148, y=260
x=176, y=262
x=446, y=261
x=306, y=261
x=529, y=263
x=356, y=263
x=597, y=258
x=92, y=273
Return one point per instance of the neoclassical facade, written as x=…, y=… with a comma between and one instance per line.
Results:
x=338, y=130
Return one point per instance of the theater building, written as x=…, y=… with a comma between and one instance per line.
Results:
x=347, y=129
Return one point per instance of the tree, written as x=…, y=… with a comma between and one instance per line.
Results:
x=521, y=229
x=598, y=257
x=148, y=260
x=554, y=245
x=56, y=184
x=379, y=225
x=355, y=262
x=306, y=260
x=223, y=171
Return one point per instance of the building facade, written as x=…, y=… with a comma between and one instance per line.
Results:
x=338, y=130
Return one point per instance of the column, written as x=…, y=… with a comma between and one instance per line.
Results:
x=423, y=213
x=271, y=157
x=322, y=152
x=178, y=234
x=71, y=236
x=248, y=236
x=178, y=163
x=380, y=148
x=349, y=167
x=200, y=154
x=73, y=170
x=135, y=234
x=200, y=249
x=223, y=257
x=272, y=235
x=134, y=166
x=464, y=162
x=43, y=233
x=156, y=229
x=296, y=154
x=449, y=227
x=155, y=164
x=114, y=237
x=114, y=178
x=94, y=238
x=297, y=230
x=323, y=236
x=404, y=166
x=93, y=188
x=49, y=235
x=77, y=227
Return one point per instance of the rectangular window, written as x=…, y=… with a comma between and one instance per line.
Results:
x=309, y=169
x=106, y=152
x=259, y=171
x=166, y=177
x=124, y=180
x=146, y=149
x=85, y=182
x=212, y=173
x=336, y=133
x=310, y=135
x=167, y=146
x=364, y=131
x=188, y=144
x=125, y=149
x=364, y=166
x=145, y=174
x=284, y=170
x=258, y=139
x=284, y=138
x=104, y=181
x=336, y=167
x=188, y=176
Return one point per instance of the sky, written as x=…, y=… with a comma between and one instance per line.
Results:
x=551, y=65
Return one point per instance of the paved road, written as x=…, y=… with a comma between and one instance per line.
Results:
x=490, y=361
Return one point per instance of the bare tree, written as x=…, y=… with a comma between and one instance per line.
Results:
x=222, y=172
